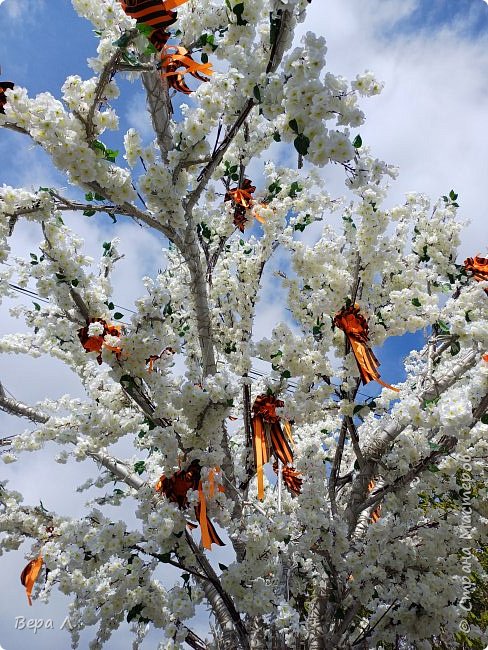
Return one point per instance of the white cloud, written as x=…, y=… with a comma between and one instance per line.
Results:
x=431, y=118
x=17, y=9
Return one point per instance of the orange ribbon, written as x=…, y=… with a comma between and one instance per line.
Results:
x=242, y=200
x=29, y=576
x=291, y=477
x=4, y=85
x=355, y=326
x=268, y=437
x=155, y=357
x=176, y=490
x=155, y=13
x=376, y=514
x=178, y=63
x=95, y=343
x=478, y=267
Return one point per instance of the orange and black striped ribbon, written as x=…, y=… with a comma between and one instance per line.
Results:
x=155, y=13
x=354, y=325
x=4, y=85
x=478, y=267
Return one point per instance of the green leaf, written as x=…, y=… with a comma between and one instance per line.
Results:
x=276, y=354
x=276, y=136
x=358, y=408
x=257, y=93
x=37, y=307
x=484, y=418
x=89, y=196
x=139, y=467
x=118, y=315
x=466, y=316
x=455, y=348
x=433, y=468
x=111, y=154
x=164, y=557
x=443, y=327
x=452, y=195
x=99, y=197
x=150, y=49
x=75, y=282
x=145, y=29
x=416, y=302
x=286, y=374
x=223, y=567
x=204, y=57
x=89, y=213
x=302, y=144
x=293, y=124
x=295, y=188
x=34, y=256
x=357, y=143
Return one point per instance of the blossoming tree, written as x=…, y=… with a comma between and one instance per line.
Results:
x=361, y=535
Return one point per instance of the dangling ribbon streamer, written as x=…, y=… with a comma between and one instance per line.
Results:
x=261, y=454
x=176, y=490
x=29, y=576
x=4, y=85
x=291, y=478
x=268, y=438
x=355, y=326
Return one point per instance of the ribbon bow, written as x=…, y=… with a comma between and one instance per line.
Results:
x=176, y=61
x=355, y=327
x=176, y=490
x=4, y=85
x=269, y=438
x=243, y=200
x=95, y=343
x=29, y=576
x=478, y=267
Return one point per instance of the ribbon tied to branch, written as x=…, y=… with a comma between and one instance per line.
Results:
x=269, y=438
x=478, y=266
x=95, y=342
x=354, y=325
x=176, y=488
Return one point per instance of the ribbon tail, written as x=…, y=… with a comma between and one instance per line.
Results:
x=260, y=453
x=172, y=4
x=203, y=519
x=280, y=445
x=287, y=429
x=29, y=576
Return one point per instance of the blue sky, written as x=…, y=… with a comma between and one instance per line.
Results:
x=430, y=120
